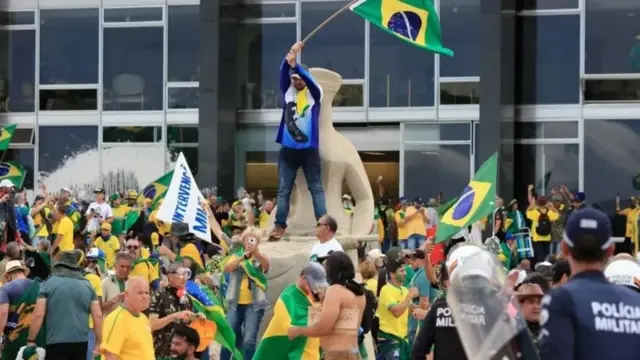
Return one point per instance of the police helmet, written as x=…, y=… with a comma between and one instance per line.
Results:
x=623, y=272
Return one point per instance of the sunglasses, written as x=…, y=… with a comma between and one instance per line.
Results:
x=182, y=272
x=132, y=247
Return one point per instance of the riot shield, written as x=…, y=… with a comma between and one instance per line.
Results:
x=488, y=321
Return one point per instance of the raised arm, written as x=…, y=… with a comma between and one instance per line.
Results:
x=312, y=85
x=285, y=79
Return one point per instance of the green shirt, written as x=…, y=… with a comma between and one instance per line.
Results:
x=410, y=274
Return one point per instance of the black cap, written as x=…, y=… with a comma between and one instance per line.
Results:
x=560, y=268
x=39, y=197
x=180, y=229
x=588, y=222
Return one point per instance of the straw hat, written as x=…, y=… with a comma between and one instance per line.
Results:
x=14, y=265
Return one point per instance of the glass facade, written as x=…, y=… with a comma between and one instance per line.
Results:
x=118, y=81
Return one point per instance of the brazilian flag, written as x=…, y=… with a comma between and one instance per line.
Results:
x=13, y=171
x=414, y=21
x=6, y=133
x=475, y=203
x=202, y=300
x=156, y=190
x=291, y=309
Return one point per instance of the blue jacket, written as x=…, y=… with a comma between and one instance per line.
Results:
x=590, y=318
x=22, y=212
x=298, y=131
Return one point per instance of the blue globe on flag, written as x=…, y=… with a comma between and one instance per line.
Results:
x=406, y=24
x=149, y=192
x=465, y=204
x=5, y=169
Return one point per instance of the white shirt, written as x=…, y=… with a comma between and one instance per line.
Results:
x=102, y=210
x=321, y=250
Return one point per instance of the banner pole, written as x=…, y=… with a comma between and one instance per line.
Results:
x=327, y=21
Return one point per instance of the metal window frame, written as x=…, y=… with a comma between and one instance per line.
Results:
x=132, y=6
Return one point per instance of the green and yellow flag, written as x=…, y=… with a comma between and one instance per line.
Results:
x=6, y=133
x=291, y=309
x=256, y=275
x=13, y=171
x=414, y=21
x=475, y=203
x=156, y=190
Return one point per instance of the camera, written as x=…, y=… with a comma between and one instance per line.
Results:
x=252, y=241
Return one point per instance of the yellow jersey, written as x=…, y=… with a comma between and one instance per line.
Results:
x=38, y=221
x=127, y=336
x=96, y=284
x=403, y=231
x=245, y=297
x=534, y=215
x=416, y=224
x=391, y=295
x=109, y=247
x=64, y=228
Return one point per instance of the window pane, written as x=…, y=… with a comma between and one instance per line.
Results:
x=430, y=169
x=553, y=165
x=183, y=98
x=131, y=167
x=68, y=100
x=460, y=22
x=135, y=134
x=349, y=95
x=459, y=93
x=611, y=148
x=68, y=156
x=401, y=74
x=17, y=18
x=260, y=53
x=69, y=46
x=538, y=130
x=547, y=4
x=17, y=70
x=133, y=14
x=550, y=59
x=182, y=134
x=190, y=154
x=257, y=11
x=611, y=90
x=24, y=157
x=133, y=68
x=23, y=136
x=612, y=38
x=436, y=132
x=184, y=43
x=339, y=46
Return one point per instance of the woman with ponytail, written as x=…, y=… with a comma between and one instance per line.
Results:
x=338, y=321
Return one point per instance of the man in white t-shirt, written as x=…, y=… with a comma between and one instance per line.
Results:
x=99, y=211
x=326, y=233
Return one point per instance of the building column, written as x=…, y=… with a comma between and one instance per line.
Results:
x=218, y=92
x=497, y=85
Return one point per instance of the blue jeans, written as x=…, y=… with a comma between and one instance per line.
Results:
x=245, y=322
x=402, y=243
x=91, y=343
x=205, y=355
x=289, y=161
x=415, y=241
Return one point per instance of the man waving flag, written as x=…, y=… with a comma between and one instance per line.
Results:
x=475, y=203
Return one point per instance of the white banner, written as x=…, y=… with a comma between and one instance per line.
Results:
x=182, y=202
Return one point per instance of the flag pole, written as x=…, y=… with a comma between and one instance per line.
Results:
x=327, y=21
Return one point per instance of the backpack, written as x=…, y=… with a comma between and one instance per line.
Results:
x=544, y=224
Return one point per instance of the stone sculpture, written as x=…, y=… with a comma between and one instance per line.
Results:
x=340, y=163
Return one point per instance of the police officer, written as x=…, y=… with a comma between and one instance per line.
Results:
x=589, y=318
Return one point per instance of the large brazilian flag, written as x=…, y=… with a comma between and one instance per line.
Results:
x=291, y=309
x=476, y=202
x=414, y=21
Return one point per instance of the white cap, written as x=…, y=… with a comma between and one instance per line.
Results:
x=375, y=254
x=623, y=272
x=93, y=253
x=6, y=183
x=521, y=276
